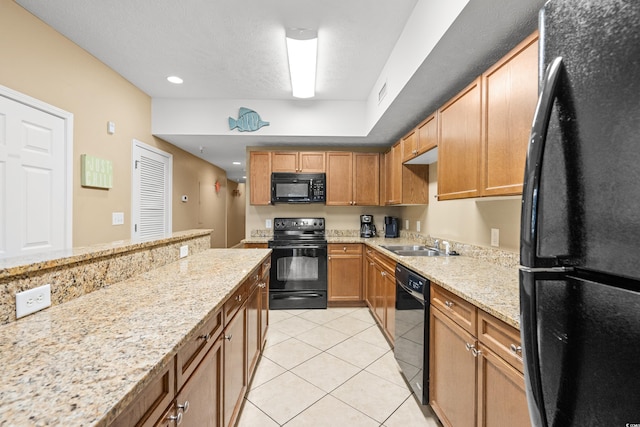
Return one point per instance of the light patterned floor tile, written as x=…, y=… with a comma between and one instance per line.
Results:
x=285, y=396
x=293, y=326
x=364, y=315
x=387, y=368
x=326, y=371
x=373, y=335
x=347, y=325
x=321, y=316
x=410, y=413
x=290, y=353
x=266, y=371
x=275, y=337
x=356, y=352
x=331, y=412
x=322, y=337
x=276, y=316
x=251, y=416
x=372, y=395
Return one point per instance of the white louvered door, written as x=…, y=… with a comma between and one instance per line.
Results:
x=151, y=192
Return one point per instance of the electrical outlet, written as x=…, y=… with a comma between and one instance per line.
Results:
x=406, y=224
x=418, y=226
x=33, y=300
x=117, y=218
x=495, y=237
x=184, y=251
x=267, y=223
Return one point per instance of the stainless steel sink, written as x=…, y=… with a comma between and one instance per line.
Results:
x=411, y=250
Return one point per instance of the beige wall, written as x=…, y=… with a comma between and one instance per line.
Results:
x=468, y=220
x=39, y=62
x=235, y=213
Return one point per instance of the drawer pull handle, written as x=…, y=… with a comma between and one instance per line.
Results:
x=475, y=352
x=176, y=418
x=184, y=406
x=205, y=337
x=262, y=285
x=469, y=346
x=516, y=349
x=449, y=304
x=383, y=273
x=239, y=298
x=228, y=337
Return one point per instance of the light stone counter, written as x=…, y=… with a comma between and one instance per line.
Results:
x=485, y=277
x=80, y=363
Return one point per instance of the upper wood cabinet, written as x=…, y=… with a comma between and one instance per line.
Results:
x=510, y=90
x=459, y=127
x=294, y=161
x=260, y=177
x=405, y=184
x=421, y=139
x=353, y=179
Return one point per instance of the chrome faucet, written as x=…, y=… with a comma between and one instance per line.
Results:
x=436, y=244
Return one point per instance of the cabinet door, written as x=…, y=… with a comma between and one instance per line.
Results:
x=366, y=179
x=235, y=362
x=510, y=91
x=379, y=303
x=345, y=273
x=390, y=304
x=339, y=176
x=460, y=143
x=502, y=401
x=311, y=162
x=452, y=372
x=253, y=329
x=409, y=146
x=260, y=177
x=264, y=304
x=396, y=174
x=284, y=161
x=200, y=398
x=369, y=280
x=428, y=134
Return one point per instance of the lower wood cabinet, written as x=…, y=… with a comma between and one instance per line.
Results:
x=475, y=366
x=205, y=383
x=380, y=290
x=345, y=273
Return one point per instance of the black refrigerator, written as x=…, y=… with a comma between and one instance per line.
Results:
x=580, y=229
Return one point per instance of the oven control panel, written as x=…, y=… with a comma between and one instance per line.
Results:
x=290, y=224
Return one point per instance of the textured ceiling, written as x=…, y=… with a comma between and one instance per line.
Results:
x=236, y=50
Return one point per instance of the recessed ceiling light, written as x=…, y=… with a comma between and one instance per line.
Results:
x=237, y=163
x=244, y=177
x=175, y=80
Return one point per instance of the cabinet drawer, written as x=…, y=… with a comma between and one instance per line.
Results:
x=151, y=402
x=386, y=263
x=459, y=310
x=192, y=352
x=235, y=302
x=266, y=268
x=503, y=339
x=345, y=249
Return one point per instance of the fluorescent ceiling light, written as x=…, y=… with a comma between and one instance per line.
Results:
x=237, y=163
x=175, y=80
x=302, y=48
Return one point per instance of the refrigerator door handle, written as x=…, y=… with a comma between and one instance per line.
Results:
x=531, y=185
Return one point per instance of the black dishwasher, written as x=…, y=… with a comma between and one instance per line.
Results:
x=411, y=347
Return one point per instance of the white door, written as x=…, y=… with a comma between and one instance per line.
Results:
x=151, y=192
x=34, y=194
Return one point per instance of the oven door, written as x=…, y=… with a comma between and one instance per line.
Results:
x=299, y=267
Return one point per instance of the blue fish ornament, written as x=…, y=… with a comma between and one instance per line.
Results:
x=248, y=121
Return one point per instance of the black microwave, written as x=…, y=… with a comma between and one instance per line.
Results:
x=298, y=187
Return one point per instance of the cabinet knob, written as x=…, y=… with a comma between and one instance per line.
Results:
x=383, y=273
x=228, y=337
x=239, y=298
x=449, y=304
x=262, y=285
x=204, y=337
x=469, y=346
x=344, y=249
x=176, y=418
x=184, y=406
x=516, y=349
x=476, y=352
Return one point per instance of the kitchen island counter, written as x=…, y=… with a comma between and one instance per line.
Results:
x=82, y=362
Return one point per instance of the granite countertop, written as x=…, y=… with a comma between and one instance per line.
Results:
x=491, y=287
x=82, y=362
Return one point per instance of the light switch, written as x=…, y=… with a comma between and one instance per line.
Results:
x=418, y=226
x=495, y=237
x=111, y=128
x=117, y=218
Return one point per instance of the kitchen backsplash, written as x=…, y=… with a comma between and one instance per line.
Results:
x=92, y=268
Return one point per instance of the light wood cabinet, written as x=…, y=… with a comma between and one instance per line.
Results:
x=510, y=91
x=353, y=179
x=405, y=184
x=380, y=290
x=476, y=371
x=235, y=366
x=254, y=302
x=294, y=161
x=459, y=144
x=255, y=245
x=345, y=273
x=260, y=177
x=421, y=139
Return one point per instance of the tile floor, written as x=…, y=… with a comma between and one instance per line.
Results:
x=329, y=368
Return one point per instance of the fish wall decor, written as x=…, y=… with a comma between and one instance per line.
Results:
x=247, y=121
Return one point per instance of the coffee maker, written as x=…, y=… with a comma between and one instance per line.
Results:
x=367, y=227
x=391, y=226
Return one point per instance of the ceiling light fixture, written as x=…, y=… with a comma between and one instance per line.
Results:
x=175, y=80
x=237, y=163
x=302, y=49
